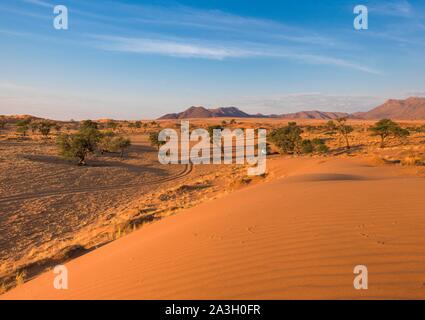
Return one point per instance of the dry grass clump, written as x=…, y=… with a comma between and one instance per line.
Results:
x=377, y=160
x=3, y=289
x=412, y=160
x=20, y=278
x=246, y=180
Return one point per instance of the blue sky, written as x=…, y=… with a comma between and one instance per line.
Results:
x=140, y=59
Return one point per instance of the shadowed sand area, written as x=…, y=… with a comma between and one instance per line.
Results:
x=276, y=240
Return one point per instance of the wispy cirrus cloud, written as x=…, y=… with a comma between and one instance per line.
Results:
x=189, y=48
x=175, y=48
x=400, y=8
x=174, y=31
x=196, y=20
x=39, y=3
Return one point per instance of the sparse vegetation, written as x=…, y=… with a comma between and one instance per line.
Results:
x=44, y=127
x=246, y=180
x=3, y=288
x=20, y=278
x=3, y=122
x=319, y=145
x=113, y=143
x=307, y=146
x=412, y=160
x=154, y=140
x=105, y=141
x=344, y=130
x=314, y=146
x=22, y=126
x=121, y=144
x=111, y=125
x=387, y=128
x=330, y=127
x=34, y=127
x=57, y=127
x=89, y=124
x=287, y=139
x=79, y=145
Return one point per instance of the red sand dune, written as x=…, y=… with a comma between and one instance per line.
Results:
x=297, y=236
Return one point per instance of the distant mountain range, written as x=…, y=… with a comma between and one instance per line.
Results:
x=233, y=112
x=409, y=109
x=201, y=112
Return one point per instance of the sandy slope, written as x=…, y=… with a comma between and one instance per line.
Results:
x=298, y=236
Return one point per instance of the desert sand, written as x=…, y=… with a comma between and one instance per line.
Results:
x=52, y=210
x=298, y=235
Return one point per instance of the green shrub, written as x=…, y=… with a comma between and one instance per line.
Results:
x=319, y=146
x=287, y=139
x=115, y=144
x=307, y=146
x=316, y=145
x=88, y=124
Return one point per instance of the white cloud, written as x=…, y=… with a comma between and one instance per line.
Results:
x=39, y=3
x=169, y=47
x=189, y=48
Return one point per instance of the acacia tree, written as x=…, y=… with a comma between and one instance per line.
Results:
x=387, y=128
x=34, y=127
x=80, y=144
x=22, y=126
x=154, y=140
x=44, y=127
x=344, y=130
